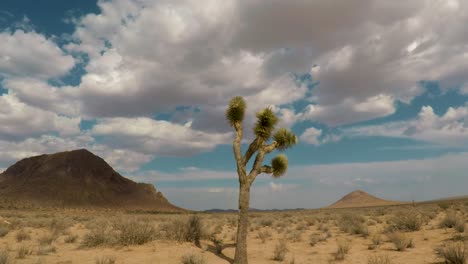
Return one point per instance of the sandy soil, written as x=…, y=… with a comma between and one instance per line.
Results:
x=295, y=228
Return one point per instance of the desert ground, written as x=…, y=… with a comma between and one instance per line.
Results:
x=419, y=233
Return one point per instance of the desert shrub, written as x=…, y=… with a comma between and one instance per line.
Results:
x=192, y=259
x=194, y=230
x=453, y=253
x=281, y=249
x=376, y=241
x=314, y=239
x=22, y=235
x=444, y=206
x=380, y=259
x=190, y=230
x=408, y=221
x=401, y=241
x=58, y=226
x=70, y=239
x=266, y=222
x=353, y=224
x=99, y=235
x=264, y=235
x=4, y=230
x=450, y=220
x=342, y=250
x=218, y=245
x=294, y=236
x=47, y=239
x=105, y=260
x=460, y=226
x=23, y=251
x=4, y=257
x=133, y=232
x=45, y=249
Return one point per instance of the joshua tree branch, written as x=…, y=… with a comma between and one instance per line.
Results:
x=253, y=147
x=270, y=148
x=266, y=169
x=237, y=151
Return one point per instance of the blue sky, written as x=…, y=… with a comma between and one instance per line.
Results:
x=378, y=98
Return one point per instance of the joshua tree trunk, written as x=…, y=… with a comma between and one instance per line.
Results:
x=282, y=139
x=243, y=224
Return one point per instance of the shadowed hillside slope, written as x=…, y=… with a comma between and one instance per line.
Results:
x=77, y=178
x=361, y=199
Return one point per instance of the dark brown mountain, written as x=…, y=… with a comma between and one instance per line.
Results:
x=361, y=199
x=77, y=178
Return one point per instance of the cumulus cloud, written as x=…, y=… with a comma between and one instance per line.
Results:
x=19, y=120
x=157, y=136
x=449, y=129
x=29, y=54
x=122, y=159
x=311, y=136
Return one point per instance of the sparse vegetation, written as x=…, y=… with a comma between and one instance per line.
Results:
x=406, y=221
x=70, y=239
x=23, y=251
x=342, y=250
x=192, y=259
x=353, y=224
x=105, y=260
x=281, y=249
x=401, y=241
x=453, y=253
x=133, y=232
x=450, y=220
x=380, y=259
x=4, y=231
x=22, y=235
x=4, y=257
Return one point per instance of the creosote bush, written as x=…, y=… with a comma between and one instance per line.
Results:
x=453, y=253
x=22, y=235
x=342, y=250
x=105, y=260
x=401, y=241
x=188, y=230
x=192, y=259
x=4, y=257
x=405, y=221
x=281, y=249
x=353, y=224
x=4, y=230
x=134, y=233
x=23, y=251
x=380, y=259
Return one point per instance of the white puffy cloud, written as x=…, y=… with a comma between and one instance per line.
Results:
x=20, y=120
x=121, y=159
x=311, y=135
x=29, y=54
x=157, y=136
x=449, y=129
x=37, y=93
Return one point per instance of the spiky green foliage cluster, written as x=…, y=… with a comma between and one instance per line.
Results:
x=266, y=122
x=279, y=165
x=284, y=138
x=236, y=110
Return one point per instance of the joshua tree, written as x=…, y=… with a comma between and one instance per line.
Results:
x=261, y=145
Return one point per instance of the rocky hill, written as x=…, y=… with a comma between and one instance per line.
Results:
x=77, y=178
x=361, y=199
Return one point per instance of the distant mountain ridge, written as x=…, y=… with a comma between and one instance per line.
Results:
x=361, y=199
x=77, y=178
